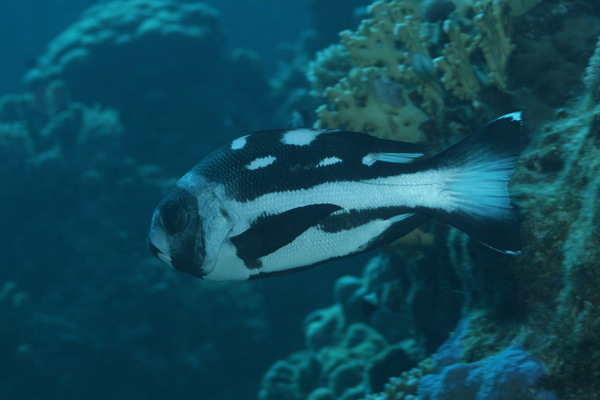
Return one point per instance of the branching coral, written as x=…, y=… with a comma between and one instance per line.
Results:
x=437, y=63
x=330, y=65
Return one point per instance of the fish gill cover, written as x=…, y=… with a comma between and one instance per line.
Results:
x=118, y=107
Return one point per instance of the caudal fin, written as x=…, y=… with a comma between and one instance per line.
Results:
x=478, y=170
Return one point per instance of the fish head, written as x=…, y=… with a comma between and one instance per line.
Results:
x=176, y=236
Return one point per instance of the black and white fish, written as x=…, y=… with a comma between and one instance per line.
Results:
x=281, y=200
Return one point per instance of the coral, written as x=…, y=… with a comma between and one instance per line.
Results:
x=553, y=44
x=519, y=7
x=16, y=145
x=510, y=374
x=436, y=56
x=351, y=347
x=344, y=368
x=548, y=303
x=65, y=136
x=163, y=66
x=436, y=10
x=330, y=65
x=533, y=319
x=380, y=116
x=557, y=189
x=77, y=213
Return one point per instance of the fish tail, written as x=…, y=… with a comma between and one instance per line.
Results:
x=478, y=170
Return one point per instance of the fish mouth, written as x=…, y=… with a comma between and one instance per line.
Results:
x=159, y=254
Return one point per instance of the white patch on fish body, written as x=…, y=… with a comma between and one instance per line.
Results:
x=427, y=189
x=300, y=137
x=515, y=116
x=421, y=189
x=228, y=266
x=239, y=143
x=323, y=245
x=329, y=161
x=261, y=163
x=372, y=158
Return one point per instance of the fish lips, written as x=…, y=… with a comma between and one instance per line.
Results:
x=158, y=253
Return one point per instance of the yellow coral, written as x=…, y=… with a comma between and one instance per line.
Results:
x=493, y=40
x=458, y=74
x=396, y=46
x=355, y=96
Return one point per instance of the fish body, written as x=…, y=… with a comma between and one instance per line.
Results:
x=283, y=200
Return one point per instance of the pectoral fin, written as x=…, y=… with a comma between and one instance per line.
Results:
x=270, y=233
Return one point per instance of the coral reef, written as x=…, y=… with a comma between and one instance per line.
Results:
x=508, y=374
x=428, y=58
x=352, y=346
x=124, y=101
x=430, y=72
x=164, y=68
x=337, y=370
x=554, y=42
x=85, y=312
x=455, y=67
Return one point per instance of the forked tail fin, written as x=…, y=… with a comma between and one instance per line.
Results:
x=478, y=170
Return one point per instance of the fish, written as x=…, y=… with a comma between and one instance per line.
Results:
x=278, y=201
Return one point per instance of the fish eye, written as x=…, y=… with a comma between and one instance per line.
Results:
x=173, y=217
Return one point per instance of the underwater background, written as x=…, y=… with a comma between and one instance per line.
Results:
x=105, y=104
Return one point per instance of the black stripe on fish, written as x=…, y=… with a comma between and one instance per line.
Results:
x=263, y=163
x=406, y=223
x=354, y=218
x=270, y=233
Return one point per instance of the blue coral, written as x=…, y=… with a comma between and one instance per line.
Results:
x=508, y=375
